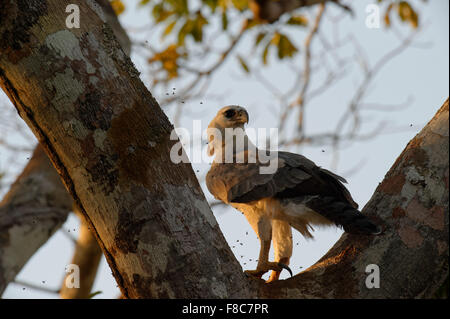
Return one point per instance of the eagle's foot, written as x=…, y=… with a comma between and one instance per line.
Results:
x=265, y=267
x=275, y=274
x=255, y=273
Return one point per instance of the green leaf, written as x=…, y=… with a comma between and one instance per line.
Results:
x=185, y=30
x=224, y=4
x=241, y=5
x=252, y=23
x=157, y=9
x=193, y=27
x=197, y=31
x=298, y=21
x=259, y=38
x=180, y=7
x=224, y=20
x=265, y=52
x=243, y=64
x=275, y=39
x=285, y=47
x=212, y=4
x=169, y=29
x=159, y=13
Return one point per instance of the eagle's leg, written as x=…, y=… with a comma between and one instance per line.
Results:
x=282, y=245
x=263, y=226
x=263, y=261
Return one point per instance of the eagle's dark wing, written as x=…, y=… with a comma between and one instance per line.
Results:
x=297, y=179
x=296, y=176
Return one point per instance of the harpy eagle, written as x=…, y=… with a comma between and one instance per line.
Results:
x=297, y=193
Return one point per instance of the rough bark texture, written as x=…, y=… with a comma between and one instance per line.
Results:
x=119, y=32
x=35, y=207
x=110, y=142
x=87, y=256
x=37, y=189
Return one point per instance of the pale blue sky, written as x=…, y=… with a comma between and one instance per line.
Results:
x=420, y=73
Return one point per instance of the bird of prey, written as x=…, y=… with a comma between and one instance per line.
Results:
x=296, y=194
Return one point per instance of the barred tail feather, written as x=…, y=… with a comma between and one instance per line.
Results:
x=342, y=214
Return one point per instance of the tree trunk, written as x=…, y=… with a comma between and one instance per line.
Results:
x=109, y=141
x=41, y=184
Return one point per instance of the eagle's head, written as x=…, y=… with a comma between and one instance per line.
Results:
x=231, y=116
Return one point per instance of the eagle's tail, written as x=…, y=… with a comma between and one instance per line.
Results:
x=343, y=214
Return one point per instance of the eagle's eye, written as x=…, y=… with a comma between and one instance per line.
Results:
x=230, y=113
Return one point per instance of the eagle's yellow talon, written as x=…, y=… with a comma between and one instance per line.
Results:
x=261, y=270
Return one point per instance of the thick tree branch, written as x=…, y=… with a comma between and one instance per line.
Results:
x=35, y=207
x=87, y=256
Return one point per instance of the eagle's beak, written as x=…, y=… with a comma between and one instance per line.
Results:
x=243, y=116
